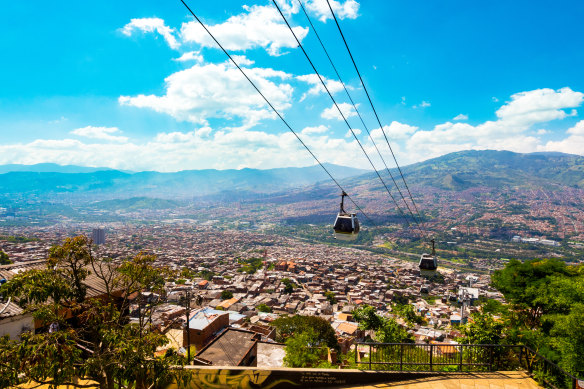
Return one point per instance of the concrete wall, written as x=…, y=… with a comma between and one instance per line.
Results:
x=283, y=378
x=15, y=325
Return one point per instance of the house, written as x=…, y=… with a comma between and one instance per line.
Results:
x=203, y=326
x=232, y=347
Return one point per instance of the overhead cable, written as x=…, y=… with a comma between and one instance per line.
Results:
x=273, y=108
x=371, y=102
x=358, y=113
x=341, y=113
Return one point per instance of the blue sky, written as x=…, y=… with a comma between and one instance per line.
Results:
x=136, y=84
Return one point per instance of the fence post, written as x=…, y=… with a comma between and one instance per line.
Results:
x=401, y=358
x=574, y=383
x=491, y=358
x=431, y=355
x=460, y=359
x=370, y=356
x=356, y=351
x=521, y=356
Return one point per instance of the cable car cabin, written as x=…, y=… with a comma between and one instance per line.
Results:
x=346, y=225
x=428, y=263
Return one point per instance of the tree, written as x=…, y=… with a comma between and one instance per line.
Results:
x=264, y=308
x=392, y=332
x=483, y=329
x=291, y=326
x=226, y=294
x=288, y=285
x=526, y=285
x=386, y=330
x=545, y=309
x=4, y=260
x=330, y=296
x=408, y=313
x=88, y=336
x=304, y=349
x=368, y=318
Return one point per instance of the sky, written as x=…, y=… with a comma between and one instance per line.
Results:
x=139, y=85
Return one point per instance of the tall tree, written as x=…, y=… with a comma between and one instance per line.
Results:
x=89, y=335
x=4, y=260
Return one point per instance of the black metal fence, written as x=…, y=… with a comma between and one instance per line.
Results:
x=464, y=358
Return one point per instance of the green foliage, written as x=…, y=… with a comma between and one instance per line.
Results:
x=545, y=311
x=251, y=265
x=482, y=329
x=290, y=326
x=330, y=296
x=226, y=294
x=289, y=286
x=4, y=260
x=386, y=330
x=207, y=274
x=407, y=312
x=264, y=308
x=536, y=287
x=88, y=336
x=436, y=278
x=493, y=306
x=18, y=239
x=368, y=318
x=392, y=332
x=304, y=349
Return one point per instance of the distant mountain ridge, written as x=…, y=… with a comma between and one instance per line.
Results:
x=489, y=168
x=183, y=184
x=454, y=172
x=50, y=168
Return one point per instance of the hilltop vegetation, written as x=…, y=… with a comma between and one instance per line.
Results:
x=545, y=310
x=466, y=169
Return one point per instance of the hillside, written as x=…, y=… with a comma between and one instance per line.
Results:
x=495, y=169
x=110, y=184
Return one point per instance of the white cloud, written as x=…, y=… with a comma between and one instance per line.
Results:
x=540, y=105
x=460, y=117
x=242, y=60
x=227, y=148
x=349, y=134
x=573, y=144
x=520, y=114
x=102, y=133
x=152, y=25
x=218, y=91
x=423, y=104
x=317, y=88
x=191, y=56
x=259, y=26
x=196, y=149
x=315, y=130
x=333, y=113
x=395, y=130
x=349, y=9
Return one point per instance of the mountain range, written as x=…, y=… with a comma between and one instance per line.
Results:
x=453, y=172
x=47, y=179
x=494, y=169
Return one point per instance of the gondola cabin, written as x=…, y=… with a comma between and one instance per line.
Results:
x=428, y=263
x=346, y=225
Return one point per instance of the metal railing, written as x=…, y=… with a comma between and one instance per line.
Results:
x=441, y=357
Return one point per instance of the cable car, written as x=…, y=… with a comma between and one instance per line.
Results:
x=346, y=225
x=428, y=263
